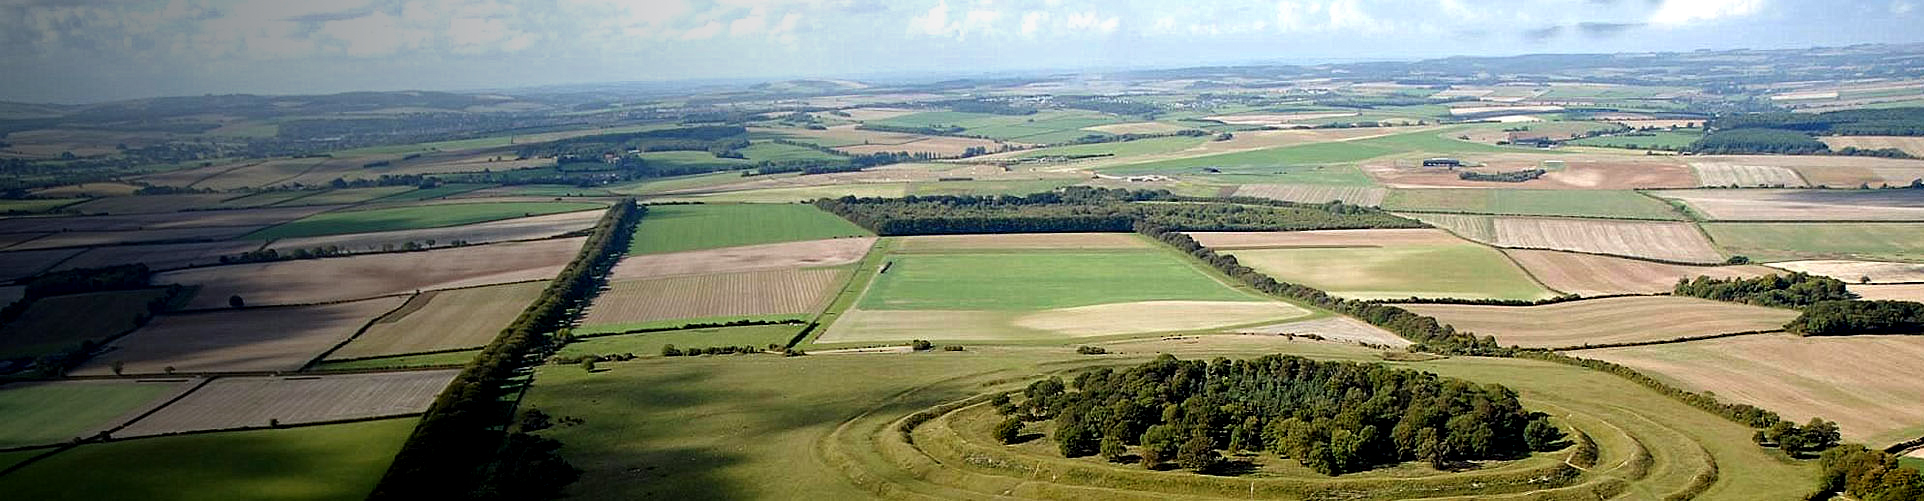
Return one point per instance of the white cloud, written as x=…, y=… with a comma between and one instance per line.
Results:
x=1682, y=12
x=1090, y=21
x=1032, y=22
x=937, y=22
x=1334, y=15
x=753, y=23
x=705, y=31
x=1902, y=7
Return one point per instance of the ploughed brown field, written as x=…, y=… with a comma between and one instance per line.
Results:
x=811, y=253
x=1606, y=320
x=257, y=402
x=1873, y=377
x=1593, y=275
x=253, y=339
x=308, y=281
x=444, y=320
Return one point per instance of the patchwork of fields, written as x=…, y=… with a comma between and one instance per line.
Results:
x=1673, y=242
x=1381, y=264
x=671, y=228
x=1607, y=320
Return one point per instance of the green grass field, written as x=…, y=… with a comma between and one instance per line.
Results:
x=1149, y=146
x=1019, y=187
x=1450, y=270
x=331, y=462
x=731, y=427
x=50, y=413
x=1307, y=164
x=677, y=323
x=60, y=323
x=432, y=193
x=658, y=185
x=1596, y=203
x=670, y=228
x=1038, y=280
x=1663, y=139
x=410, y=218
x=348, y=196
x=649, y=344
x=1040, y=128
x=1788, y=241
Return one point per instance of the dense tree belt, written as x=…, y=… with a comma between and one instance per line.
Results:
x=1866, y=474
x=460, y=449
x=1085, y=209
x=1842, y=318
x=1333, y=417
x=1796, y=290
x=1885, y=122
x=1502, y=177
x=1784, y=142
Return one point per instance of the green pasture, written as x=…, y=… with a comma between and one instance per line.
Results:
x=1466, y=271
x=35, y=205
x=1790, y=241
x=330, y=462
x=1594, y=203
x=1038, y=280
x=51, y=413
x=1149, y=146
x=432, y=193
x=413, y=217
x=670, y=228
x=401, y=361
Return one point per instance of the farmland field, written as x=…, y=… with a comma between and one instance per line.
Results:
x=649, y=344
x=416, y=217
x=1724, y=175
x=991, y=281
x=965, y=243
x=20, y=264
x=1607, y=320
x=158, y=256
x=1318, y=164
x=1313, y=194
x=332, y=462
x=1793, y=241
x=524, y=228
x=1803, y=205
x=444, y=320
x=1675, y=242
x=444, y=359
x=1597, y=203
x=1663, y=140
x=1592, y=275
x=670, y=228
x=309, y=281
x=1909, y=144
x=258, y=339
x=1870, y=376
x=59, y=323
x=256, y=402
x=810, y=253
x=42, y=413
x=1397, y=270
x=723, y=294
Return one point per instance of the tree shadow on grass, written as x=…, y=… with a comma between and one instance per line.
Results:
x=1025, y=438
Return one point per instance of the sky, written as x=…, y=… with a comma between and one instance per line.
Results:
x=73, y=51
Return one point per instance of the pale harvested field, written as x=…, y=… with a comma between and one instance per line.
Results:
x=1277, y=118
x=334, y=279
x=1142, y=317
x=108, y=189
x=1854, y=271
x=1355, y=195
x=1153, y=316
x=1607, y=320
x=526, y=228
x=943, y=243
x=94, y=238
x=934, y=145
x=1868, y=384
x=269, y=173
x=159, y=256
x=1892, y=292
x=444, y=320
x=1242, y=141
x=255, y=339
x=1580, y=172
x=1835, y=171
x=1476, y=110
x=812, y=253
x=147, y=204
x=164, y=221
x=1226, y=240
x=1591, y=275
x=719, y=295
x=256, y=402
x=1718, y=174
x=1677, y=242
x=1137, y=128
x=1335, y=328
x=1910, y=144
x=17, y=264
x=1804, y=205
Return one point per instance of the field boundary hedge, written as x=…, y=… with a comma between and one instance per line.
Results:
x=369, y=324
x=1674, y=340
x=459, y=437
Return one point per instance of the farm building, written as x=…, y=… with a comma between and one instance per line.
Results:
x=1442, y=162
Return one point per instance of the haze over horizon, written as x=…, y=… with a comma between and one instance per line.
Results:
x=97, y=51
